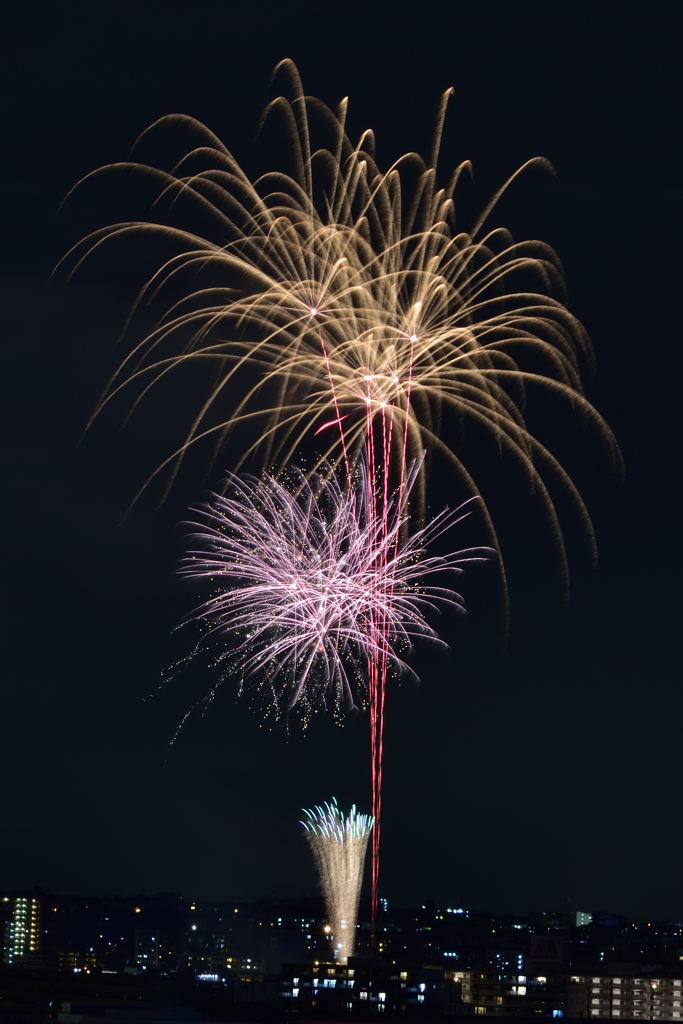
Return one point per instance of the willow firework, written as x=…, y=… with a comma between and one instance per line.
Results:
x=356, y=298
x=308, y=587
x=339, y=842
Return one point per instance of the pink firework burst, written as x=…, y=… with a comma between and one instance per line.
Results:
x=309, y=587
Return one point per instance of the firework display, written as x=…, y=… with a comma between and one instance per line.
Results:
x=308, y=587
x=340, y=310
x=356, y=298
x=339, y=842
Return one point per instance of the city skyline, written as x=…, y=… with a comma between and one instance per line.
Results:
x=533, y=772
x=544, y=917
x=441, y=961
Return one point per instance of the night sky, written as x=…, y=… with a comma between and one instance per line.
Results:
x=520, y=774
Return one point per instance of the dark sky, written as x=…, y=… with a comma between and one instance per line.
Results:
x=516, y=777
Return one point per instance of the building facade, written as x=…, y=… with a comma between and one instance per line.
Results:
x=558, y=994
x=630, y=998
x=23, y=936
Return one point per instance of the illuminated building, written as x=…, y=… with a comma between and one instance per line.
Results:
x=147, y=949
x=23, y=935
x=365, y=986
x=575, y=996
x=630, y=998
x=513, y=995
x=77, y=963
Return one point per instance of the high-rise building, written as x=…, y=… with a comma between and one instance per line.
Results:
x=147, y=949
x=22, y=946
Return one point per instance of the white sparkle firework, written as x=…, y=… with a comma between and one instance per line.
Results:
x=308, y=587
x=339, y=842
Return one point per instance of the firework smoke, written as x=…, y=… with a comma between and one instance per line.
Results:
x=338, y=842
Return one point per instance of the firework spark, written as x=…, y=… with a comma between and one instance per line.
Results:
x=355, y=296
x=338, y=842
x=309, y=587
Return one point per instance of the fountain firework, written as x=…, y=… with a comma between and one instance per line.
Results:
x=339, y=842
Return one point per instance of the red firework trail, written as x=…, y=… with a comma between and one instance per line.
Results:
x=378, y=473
